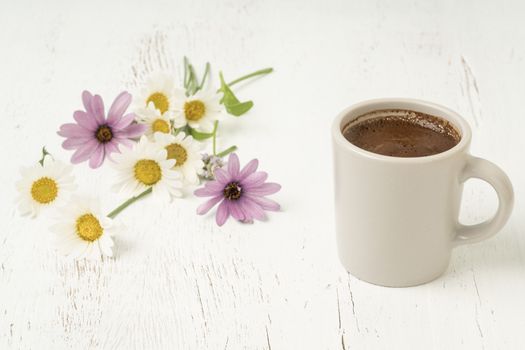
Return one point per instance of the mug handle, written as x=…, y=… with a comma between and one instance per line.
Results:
x=483, y=169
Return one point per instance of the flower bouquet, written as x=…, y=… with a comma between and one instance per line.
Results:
x=156, y=147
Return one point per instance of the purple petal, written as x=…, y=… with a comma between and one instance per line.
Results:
x=253, y=209
x=255, y=179
x=122, y=122
x=74, y=130
x=84, y=152
x=111, y=147
x=214, y=186
x=97, y=158
x=75, y=143
x=132, y=131
x=223, y=212
x=233, y=165
x=97, y=105
x=206, y=206
x=206, y=192
x=236, y=211
x=86, y=100
x=246, y=217
x=84, y=120
x=118, y=107
x=248, y=169
x=265, y=189
x=265, y=203
x=222, y=176
x=123, y=141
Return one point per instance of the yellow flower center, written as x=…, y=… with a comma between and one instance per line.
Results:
x=194, y=110
x=160, y=101
x=148, y=172
x=88, y=228
x=44, y=190
x=177, y=152
x=160, y=125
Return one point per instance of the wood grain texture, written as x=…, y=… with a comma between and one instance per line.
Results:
x=180, y=282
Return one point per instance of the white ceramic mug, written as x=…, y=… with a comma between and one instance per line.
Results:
x=397, y=218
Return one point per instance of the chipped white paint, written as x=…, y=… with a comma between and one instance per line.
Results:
x=178, y=281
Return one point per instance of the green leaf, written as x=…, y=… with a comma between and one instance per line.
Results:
x=229, y=97
x=206, y=72
x=191, y=82
x=45, y=153
x=199, y=136
x=231, y=102
x=239, y=108
x=185, y=72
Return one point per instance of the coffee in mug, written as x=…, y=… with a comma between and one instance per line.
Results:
x=401, y=133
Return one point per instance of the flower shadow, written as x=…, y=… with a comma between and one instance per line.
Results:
x=122, y=247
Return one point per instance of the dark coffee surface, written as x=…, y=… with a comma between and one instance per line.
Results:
x=402, y=133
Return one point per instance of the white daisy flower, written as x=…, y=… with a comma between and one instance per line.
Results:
x=199, y=111
x=83, y=231
x=154, y=120
x=157, y=93
x=186, y=153
x=44, y=185
x=145, y=166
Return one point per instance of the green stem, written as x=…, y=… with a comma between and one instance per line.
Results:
x=124, y=205
x=215, y=126
x=226, y=151
x=185, y=129
x=259, y=72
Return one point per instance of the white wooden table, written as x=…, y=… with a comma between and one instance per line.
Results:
x=180, y=282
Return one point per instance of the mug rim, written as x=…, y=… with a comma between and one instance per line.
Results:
x=408, y=104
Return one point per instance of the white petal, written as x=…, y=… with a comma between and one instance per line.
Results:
x=79, y=250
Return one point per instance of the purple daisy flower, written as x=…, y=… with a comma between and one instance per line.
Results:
x=93, y=136
x=241, y=192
